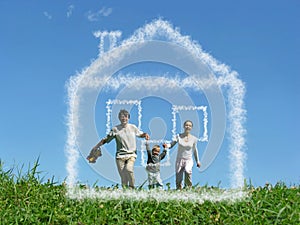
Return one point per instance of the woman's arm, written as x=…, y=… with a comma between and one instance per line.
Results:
x=171, y=145
x=195, y=151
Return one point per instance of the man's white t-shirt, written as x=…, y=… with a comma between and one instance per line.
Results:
x=125, y=139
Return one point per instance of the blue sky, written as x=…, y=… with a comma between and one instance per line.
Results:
x=44, y=43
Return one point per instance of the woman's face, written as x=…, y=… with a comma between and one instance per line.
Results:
x=188, y=126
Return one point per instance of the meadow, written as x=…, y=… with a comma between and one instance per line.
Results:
x=26, y=198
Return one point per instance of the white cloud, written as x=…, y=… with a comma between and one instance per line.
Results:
x=234, y=90
x=95, y=16
x=47, y=15
x=70, y=10
x=105, y=11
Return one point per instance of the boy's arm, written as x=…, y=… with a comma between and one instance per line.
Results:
x=169, y=145
x=147, y=146
x=163, y=154
x=148, y=149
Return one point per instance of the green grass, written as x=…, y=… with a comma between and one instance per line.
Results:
x=26, y=199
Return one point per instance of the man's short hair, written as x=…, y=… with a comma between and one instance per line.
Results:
x=124, y=112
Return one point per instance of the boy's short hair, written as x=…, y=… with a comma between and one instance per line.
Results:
x=124, y=112
x=156, y=147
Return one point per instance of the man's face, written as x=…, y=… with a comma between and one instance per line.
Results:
x=123, y=119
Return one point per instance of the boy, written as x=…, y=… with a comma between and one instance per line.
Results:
x=153, y=165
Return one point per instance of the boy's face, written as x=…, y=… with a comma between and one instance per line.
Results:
x=155, y=151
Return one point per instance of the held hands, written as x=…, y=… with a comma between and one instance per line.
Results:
x=198, y=164
x=166, y=145
x=146, y=136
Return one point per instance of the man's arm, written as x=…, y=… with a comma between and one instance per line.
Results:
x=145, y=135
x=107, y=139
x=102, y=142
x=96, y=152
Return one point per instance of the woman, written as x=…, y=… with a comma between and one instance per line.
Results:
x=187, y=146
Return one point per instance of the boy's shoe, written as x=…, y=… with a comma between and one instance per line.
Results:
x=158, y=185
x=151, y=186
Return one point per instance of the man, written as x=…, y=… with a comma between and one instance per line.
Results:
x=125, y=136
